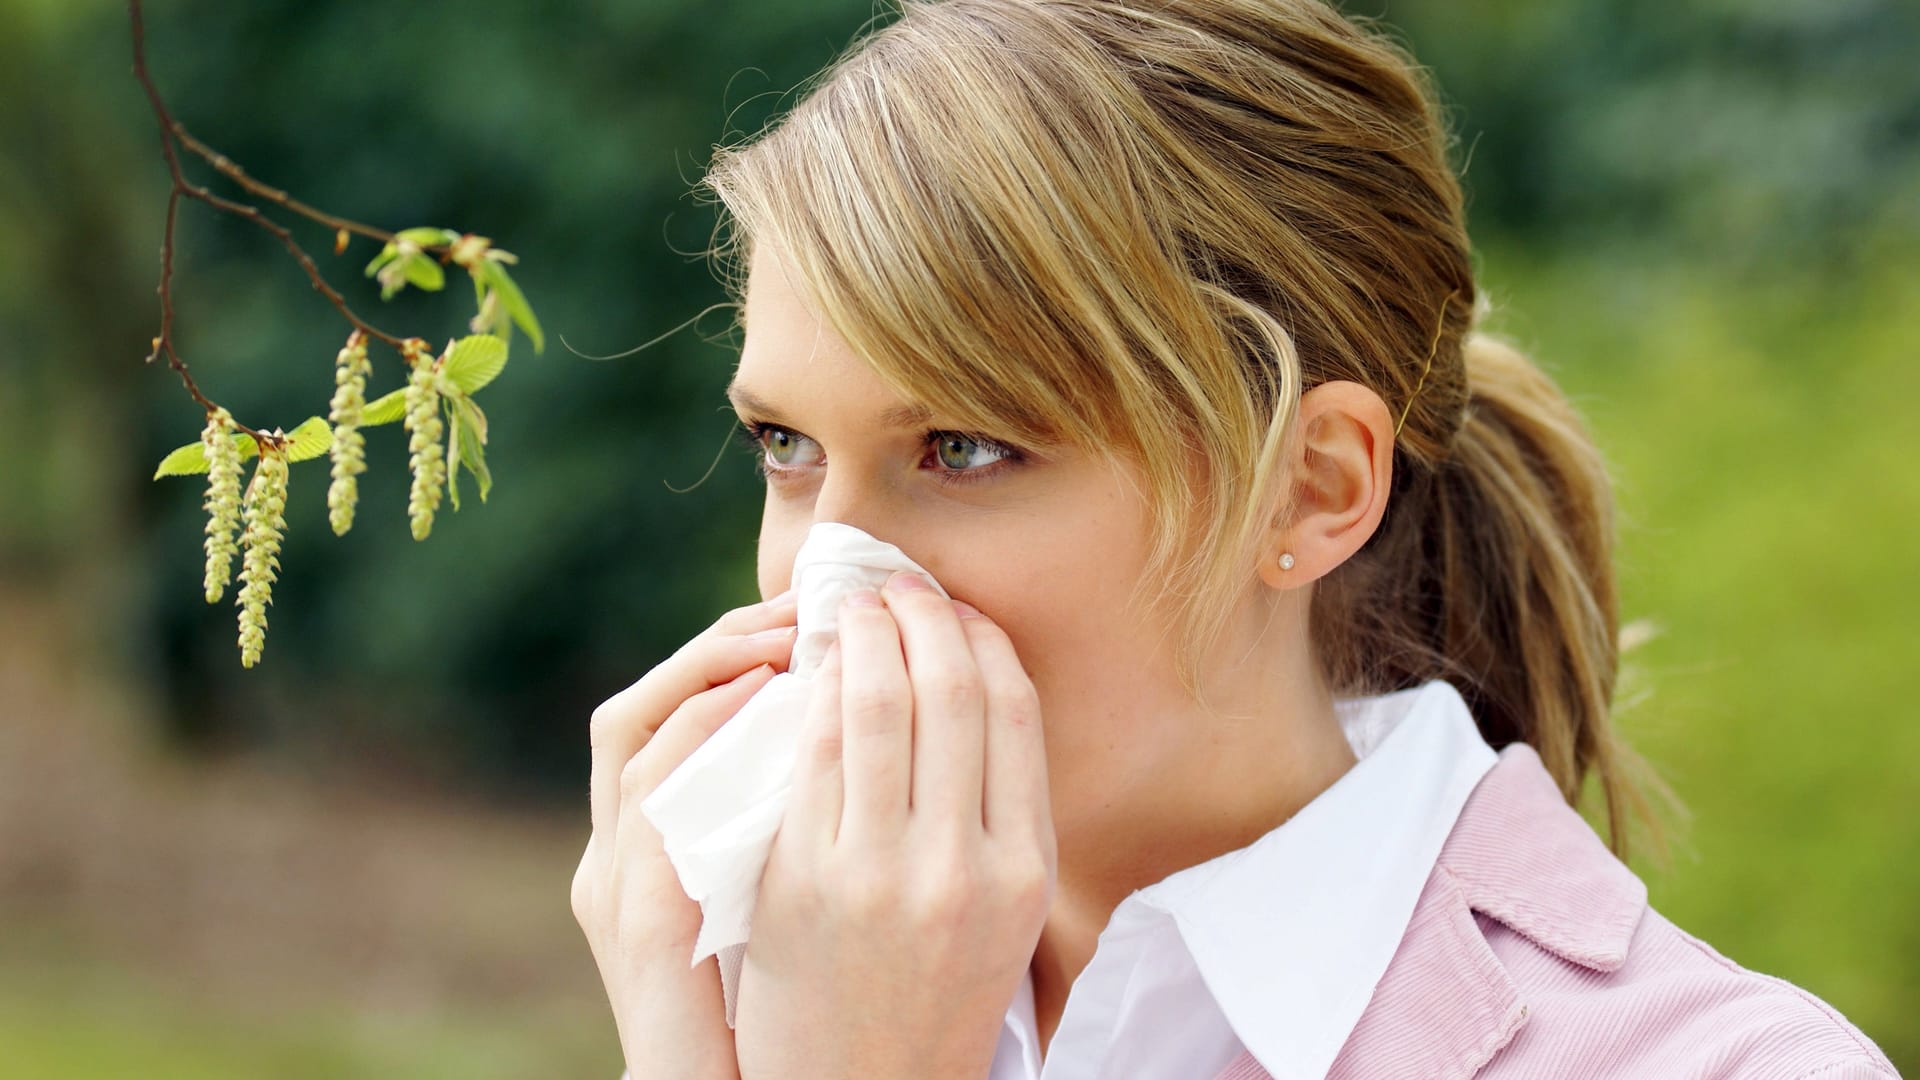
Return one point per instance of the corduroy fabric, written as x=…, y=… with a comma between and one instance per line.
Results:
x=1532, y=953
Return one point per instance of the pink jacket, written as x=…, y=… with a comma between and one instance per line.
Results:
x=1532, y=953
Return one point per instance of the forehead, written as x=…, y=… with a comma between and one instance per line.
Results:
x=794, y=362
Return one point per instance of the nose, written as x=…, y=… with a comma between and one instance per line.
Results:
x=850, y=499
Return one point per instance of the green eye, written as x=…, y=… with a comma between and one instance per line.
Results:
x=959, y=453
x=966, y=454
x=781, y=446
x=953, y=451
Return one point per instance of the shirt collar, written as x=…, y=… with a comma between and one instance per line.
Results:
x=1292, y=932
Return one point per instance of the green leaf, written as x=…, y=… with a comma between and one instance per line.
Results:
x=424, y=273
x=185, y=461
x=476, y=462
x=448, y=407
x=385, y=409
x=311, y=439
x=475, y=361
x=453, y=468
x=427, y=235
x=516, y=302
x=475, y=417
x=191, y=459
x=471, y=433
x=387, y=255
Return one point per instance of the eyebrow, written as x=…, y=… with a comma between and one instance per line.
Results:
x=900, y=416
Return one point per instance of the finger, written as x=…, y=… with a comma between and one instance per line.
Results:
x=813, y=812
x=949, y=704
x=690, y=725
x=774, y=611
x=623, y=723
x=876, y=718
x=1015, y=797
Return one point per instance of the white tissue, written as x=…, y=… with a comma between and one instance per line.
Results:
x=718, y=812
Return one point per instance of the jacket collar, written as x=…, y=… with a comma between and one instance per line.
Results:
x=1520, y=855
x=1527, y=859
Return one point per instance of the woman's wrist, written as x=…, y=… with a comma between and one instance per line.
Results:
x=673, y=1025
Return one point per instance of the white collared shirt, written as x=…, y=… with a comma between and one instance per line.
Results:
x=1276, y=947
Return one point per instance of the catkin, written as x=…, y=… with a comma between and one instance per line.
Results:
x=429, y=466
x=222, y=503
x=266, y=526
x=349, y=449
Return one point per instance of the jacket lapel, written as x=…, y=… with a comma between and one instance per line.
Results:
x=1520, y=855
x=1526, y=858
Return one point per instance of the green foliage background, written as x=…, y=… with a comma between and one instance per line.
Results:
x=1703, y=217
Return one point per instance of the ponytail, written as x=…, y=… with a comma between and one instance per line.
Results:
x=1494, y=570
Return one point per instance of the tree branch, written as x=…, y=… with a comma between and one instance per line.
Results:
x=172, y=131
x=234, y=172
x=253, y=214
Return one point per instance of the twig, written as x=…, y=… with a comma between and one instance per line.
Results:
x=234, y=172
x=253, y=214
x=172, y=130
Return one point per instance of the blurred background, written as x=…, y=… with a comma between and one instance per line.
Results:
x=353, y=860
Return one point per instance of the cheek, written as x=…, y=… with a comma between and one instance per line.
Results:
x=1102, y=672
x=779, y=543
x=1060, y=627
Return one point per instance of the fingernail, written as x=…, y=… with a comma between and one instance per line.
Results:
x=862, y=598
x=776, y=632
x=906, y=581
x=966, y=610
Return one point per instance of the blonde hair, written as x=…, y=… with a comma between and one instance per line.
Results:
x=1147, y=226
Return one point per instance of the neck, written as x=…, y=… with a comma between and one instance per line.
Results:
x=1215, y=782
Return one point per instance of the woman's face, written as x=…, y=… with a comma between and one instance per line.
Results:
x=1045, y=543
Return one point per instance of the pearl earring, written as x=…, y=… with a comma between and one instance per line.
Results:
x=1286, y=560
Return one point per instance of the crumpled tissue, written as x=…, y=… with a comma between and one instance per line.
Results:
x=718, y=812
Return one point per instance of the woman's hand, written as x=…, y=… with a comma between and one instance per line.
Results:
x=912, y=874
x=639, y=923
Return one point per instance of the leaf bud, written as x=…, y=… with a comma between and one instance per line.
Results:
x=468, y=250
x=491, y=317
x=393, y=276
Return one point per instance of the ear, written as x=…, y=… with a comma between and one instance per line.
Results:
x=1339, y=479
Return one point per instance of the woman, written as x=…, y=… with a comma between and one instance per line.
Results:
x=1283, y=630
